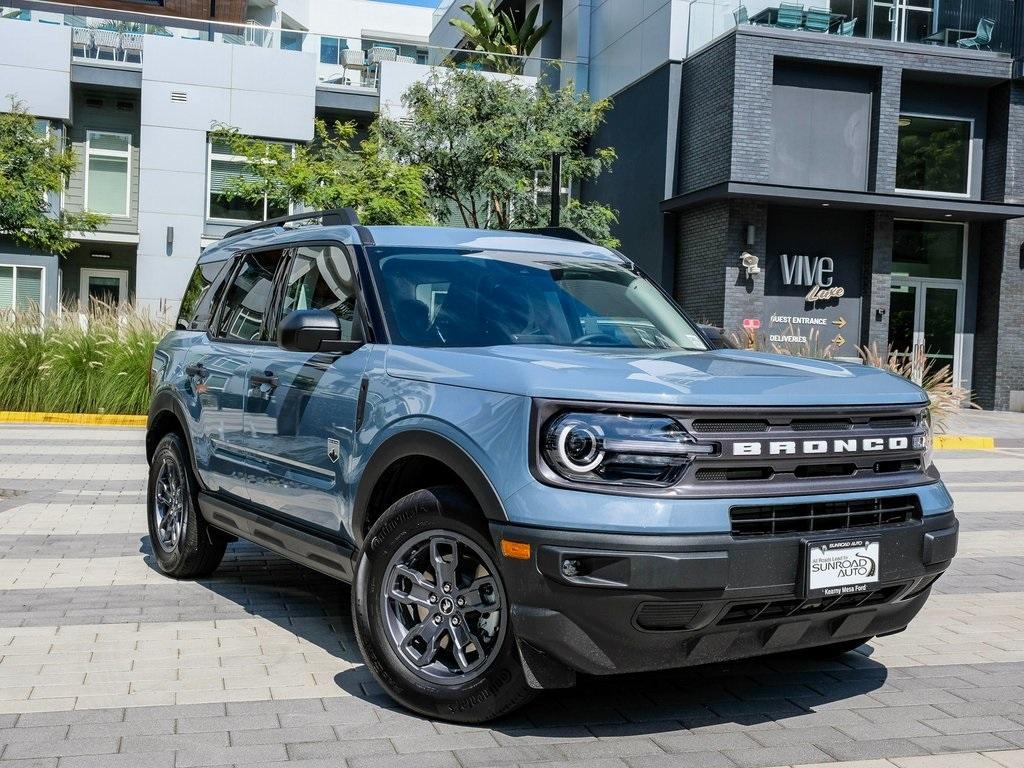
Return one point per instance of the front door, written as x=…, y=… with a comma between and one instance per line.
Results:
x=218, y=371
x=301, y=407
x=102, y=287
x=923, y=322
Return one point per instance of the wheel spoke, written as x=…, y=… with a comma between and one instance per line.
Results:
x=475, y=598
x=444, y=569
x=416, y=595
x=462, y=638
x=430, y=633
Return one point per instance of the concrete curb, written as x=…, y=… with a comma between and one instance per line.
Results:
x=963, y=443
x=75, y=419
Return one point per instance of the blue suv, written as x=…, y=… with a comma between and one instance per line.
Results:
x=528, y=463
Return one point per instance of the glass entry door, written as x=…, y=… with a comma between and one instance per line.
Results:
x=923, y=322
x=102, y=287
x=907, y=21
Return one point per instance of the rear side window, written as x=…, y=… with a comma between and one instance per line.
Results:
x=247, y=299
x=320, y=277
x=197, y=303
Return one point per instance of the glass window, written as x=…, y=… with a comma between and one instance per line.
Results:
x=197, y=302
x=330, y=50
x=483, y=298
x=224, y=167
x=248, y=297
x=933, y=155
x=927, y=249
x=291, y=40
x=108, y=172
x=21, y=288
x=321, y=278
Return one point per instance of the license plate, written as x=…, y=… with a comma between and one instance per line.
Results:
x=835, y=568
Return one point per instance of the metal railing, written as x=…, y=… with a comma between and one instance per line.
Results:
x=971, y=25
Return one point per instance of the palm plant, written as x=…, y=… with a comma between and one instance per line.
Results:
x=496, y=34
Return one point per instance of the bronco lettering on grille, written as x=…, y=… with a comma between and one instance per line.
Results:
x=823, y=447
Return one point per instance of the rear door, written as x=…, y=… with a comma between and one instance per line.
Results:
x=218, y=372
x=300, y=417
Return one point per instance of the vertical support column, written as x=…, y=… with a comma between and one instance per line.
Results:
x=744, y=296
x=887, y=129
x=877, y=282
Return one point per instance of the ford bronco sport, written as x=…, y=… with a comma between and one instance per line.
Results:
x=529, y=463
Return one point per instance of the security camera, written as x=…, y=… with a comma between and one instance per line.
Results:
x=749, y=262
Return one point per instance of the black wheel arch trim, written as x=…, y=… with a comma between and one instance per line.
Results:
x=421, y=442
x=164, y=402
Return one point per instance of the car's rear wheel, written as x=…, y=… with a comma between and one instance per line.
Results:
x=184, y=545
x=431, y=614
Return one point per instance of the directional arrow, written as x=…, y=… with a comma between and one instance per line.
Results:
x=839, y=340
x=841, y=322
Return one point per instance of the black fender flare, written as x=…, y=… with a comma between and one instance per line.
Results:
x=420, y=442
x=165, y=402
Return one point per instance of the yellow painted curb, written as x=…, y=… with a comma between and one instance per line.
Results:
x=963, y=443
x=78, y=419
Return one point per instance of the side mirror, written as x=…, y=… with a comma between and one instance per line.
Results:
x=313, y=330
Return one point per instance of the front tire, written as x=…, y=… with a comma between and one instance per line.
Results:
x=184, y=545
x=431, y=614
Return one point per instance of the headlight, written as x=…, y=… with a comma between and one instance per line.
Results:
x=926, y=422
x=618, y=449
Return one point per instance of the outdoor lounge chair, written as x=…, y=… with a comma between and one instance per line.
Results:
x=847, y=28
x=791, y=16
x=740, y=14
x=818, y=20
x=982, y=36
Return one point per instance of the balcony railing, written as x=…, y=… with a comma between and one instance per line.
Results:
x=117, y=38
x=969, y=25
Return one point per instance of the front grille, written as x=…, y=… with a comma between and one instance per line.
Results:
x=666, y=616
x=821, y=426
x=710, y=425
x=809, y=517
x=763, y=610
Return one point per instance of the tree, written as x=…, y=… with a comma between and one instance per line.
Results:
x=33, y=171
x=328, y=173
x=482, y=140
x=496, y=34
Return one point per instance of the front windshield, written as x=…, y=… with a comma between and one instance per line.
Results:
x=454, y=298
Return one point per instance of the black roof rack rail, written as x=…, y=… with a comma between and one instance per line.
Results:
x=565, y=233
x=329, y=218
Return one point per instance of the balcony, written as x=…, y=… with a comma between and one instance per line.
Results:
x=349, y=63
x=966, y=25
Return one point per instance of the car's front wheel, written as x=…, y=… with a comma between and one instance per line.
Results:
x=184, y=545
x=431, y=614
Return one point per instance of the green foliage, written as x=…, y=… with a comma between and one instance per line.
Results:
x=329, y=173
x=481, y=140
x=32, y=169
x=496, y=34
x=72, y=363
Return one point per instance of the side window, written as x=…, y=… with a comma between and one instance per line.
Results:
x=321, y=277
x=248, y=297
x=197, y=303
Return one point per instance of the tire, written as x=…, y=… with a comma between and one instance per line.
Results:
x=468, y=669
x=185, y=546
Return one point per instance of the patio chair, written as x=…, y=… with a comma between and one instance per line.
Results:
x=131, y=47
x=818, y=20
x=791, y=16
x=354, y=59
x=982, y=36
x=405, y=59
x=106, y=41
x=379, y=53
x=81, y=42
x=741, y=16
x=847, y=28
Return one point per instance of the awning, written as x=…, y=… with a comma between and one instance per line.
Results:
x=922, y=206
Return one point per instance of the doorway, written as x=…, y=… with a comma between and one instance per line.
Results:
x=106, y=287
x=905, y=21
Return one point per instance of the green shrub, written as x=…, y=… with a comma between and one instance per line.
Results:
x=77, y=363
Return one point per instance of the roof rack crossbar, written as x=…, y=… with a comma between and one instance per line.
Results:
x=332, y=217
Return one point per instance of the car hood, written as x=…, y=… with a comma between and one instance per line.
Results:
x=719, y=377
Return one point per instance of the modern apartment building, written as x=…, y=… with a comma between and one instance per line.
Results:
x=137, y=95
x=838, y=173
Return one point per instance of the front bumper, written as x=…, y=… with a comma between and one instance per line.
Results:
x=641, y=602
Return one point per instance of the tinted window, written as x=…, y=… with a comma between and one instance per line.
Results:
x=933, y=154
x=248, y=297
x=484, y=298
x=197, y=303
x=320, y=277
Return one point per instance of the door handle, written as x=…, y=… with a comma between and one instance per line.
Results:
x=196, y=369
x=267, y=377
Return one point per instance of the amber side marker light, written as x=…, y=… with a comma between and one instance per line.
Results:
x=515, y=550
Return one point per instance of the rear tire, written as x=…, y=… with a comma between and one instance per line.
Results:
x=431, y=614
x=184, y=545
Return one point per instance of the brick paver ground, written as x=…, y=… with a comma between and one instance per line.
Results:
x=104, y=662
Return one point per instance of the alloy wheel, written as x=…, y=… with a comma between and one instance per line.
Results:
x=169, y=504
x=443, y=607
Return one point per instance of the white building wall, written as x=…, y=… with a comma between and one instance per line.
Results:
x=262, y=92
x=35, y=68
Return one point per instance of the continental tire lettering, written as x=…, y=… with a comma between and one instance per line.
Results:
x=381, y=536
x=500, y=680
